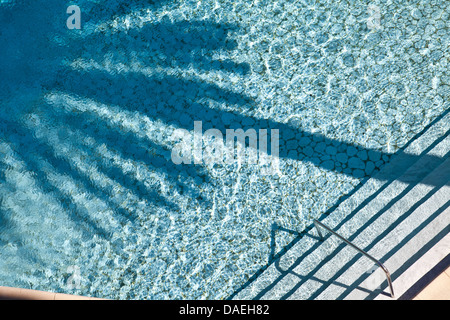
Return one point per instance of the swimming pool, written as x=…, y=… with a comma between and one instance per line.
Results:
x=91, y=200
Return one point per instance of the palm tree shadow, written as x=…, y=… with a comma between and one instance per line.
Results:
x=39, y=64
x=167, y=49
x=25, y=146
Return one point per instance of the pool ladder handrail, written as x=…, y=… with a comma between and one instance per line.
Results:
x=388, y=275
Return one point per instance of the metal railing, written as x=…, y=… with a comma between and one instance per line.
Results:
x=388, y=275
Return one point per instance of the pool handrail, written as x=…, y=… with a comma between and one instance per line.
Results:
x=388, y=275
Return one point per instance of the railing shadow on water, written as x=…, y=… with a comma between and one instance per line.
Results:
x=275, y=258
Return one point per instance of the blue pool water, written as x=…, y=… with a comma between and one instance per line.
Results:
x=91, y=201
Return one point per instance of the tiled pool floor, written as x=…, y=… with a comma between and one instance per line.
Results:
x=87, y=183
